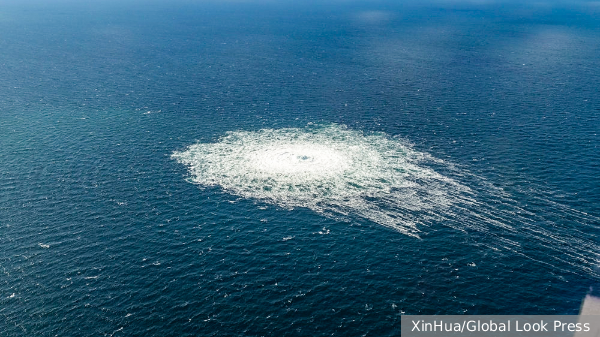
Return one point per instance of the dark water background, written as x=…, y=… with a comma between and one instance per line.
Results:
x=101, y=234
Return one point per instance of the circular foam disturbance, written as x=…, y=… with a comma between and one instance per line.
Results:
x=328, y=168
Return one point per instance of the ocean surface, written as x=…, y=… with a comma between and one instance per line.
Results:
x=258, y=168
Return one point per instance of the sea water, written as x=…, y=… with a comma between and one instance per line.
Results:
x=274, y=168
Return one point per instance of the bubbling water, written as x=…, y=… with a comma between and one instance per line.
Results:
x=349, y=175
x=314, y=160
x=329, y=169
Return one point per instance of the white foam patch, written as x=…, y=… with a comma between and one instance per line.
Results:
x=328, y=169
x=348, y=174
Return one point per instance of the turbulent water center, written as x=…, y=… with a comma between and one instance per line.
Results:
x=327, y=168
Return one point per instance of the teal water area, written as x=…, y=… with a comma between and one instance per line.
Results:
x=375, y=160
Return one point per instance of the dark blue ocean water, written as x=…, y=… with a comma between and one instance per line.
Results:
x=104, y=233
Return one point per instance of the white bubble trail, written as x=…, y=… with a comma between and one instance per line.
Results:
x=345, y=173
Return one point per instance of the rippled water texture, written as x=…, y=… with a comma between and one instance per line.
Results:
x=287, y=168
